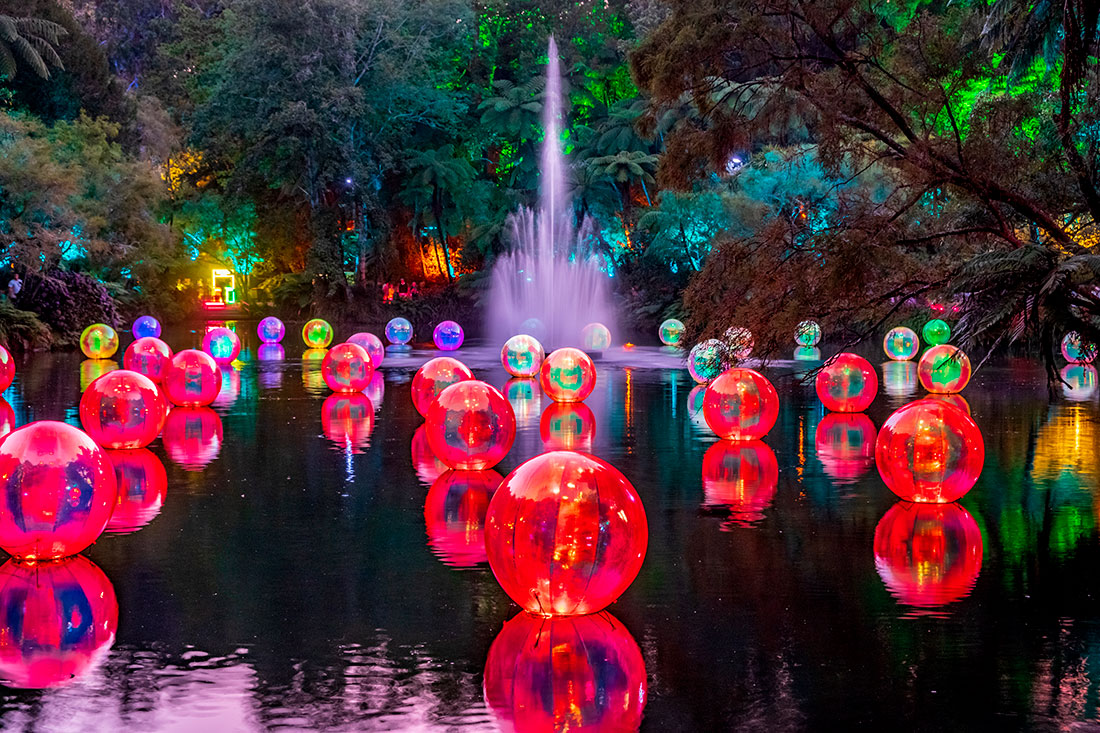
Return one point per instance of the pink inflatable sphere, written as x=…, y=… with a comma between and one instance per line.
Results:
x=149, y=356
x=271, y=330
x=347, y=368
x=58, y=491
x=470, y=426
x=847, y=383
x=192, y=379
x=7, y=369
x=372, y=344
x=741, y=404
x=122, y=410
x=434, y=377
x=223, y=344
x=567, y=375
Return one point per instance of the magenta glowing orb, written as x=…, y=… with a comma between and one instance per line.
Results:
x=448, y=336
x=741, y=404
x=434, y=377
x=375, y=349
x=192, y=379
x=123, y=410
x=470, y=426
x=847, y=383
x=223, y=344
x=271, y=330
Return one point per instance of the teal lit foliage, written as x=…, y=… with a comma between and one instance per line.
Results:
x=222, y=230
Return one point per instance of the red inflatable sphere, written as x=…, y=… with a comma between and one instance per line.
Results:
x=192, y=379
x=58, y=491
x=928, y=555
x=347, y=368
x=847, y=383
x=428, y=466
x=566, y=674
x=740, y=404
x=454, y=513
x=192, y=436
x=471, y=426
x=740, y=476
x=434, y=377
x=57, y=621
x=567, y=375
x=142, y=486
x=845, y=444
x=221, y=343
x=566, y=534
x=568, y=426
x=929, y=451
x=348, y=420
x=122, y=410
x=149, y=356
x=7, y=369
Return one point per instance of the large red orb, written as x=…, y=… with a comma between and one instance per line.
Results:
x=192, y=379
x=348, y=420
x=142, y=486
x=845, y=444
x=57, y=621
x=929, y=451
x=471, y=426
x=567, y=426
x=454, y=513
x=428, y=466
x=192, y=436
x=347, y=368
x=567, y=375
x=847, y=383
x=149, y=356
x=122, y=410
x=566, y=534
x=566, y=674
x=740, y=476
x=7, y=369
x=58, y=491
x=928, y=555
x=740, y=404
x=434, y=377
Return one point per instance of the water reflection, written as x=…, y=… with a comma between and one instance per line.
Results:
x=376, y=390
x=845, y=444
x=231, y=386
x=695, y=409
x=192, y=436
x=347, y=419
x=526, y=399
x=740, y=476
x=271, y=352
x=955, y=400
x=454, y=513
x=142, y=486
x=312, y=378
x=807, y=353
x=568, y=426
x=899, y=378
x=428, y=467
x=1078, y=382
x=93, y=369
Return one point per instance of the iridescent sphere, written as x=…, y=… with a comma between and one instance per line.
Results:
x=347, y=368
x=596, y=337
x=142, y=486
x=671, y=332
x=317, y=333
x=192, y=436
x=1077, y=350
x=936, y=332
x=434, y=377
x=58, y=491
x=99, y=341
x=1078, y=382
x=146, y=326
x=522, y=356
x=223, y=344
x=192, y=379
x=567, y=375
x=122, y=410
x=741, y=477
x=7, y=369
x=448, y=336
x=470, y=426
x=566, y=534
x=845, y=444
x=928, y=555
x=707, y=360
x=567, y=426
x=372, y=344
x=149, y=356
x=581, y=673
x=944, y=368
x=741, y=404
x=270, y=330
x=739, y=342
x=428, y=467
x=399, y=331
x=901, y=343
x=929, y=451
x=347, y=419
x=454, y=513
x=57, y=621
x=807, y=333
x=847, y=383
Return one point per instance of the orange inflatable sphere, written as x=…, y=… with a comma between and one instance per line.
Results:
x=567, y=426
x=845, y=444
x=454, y=513
x=142, y=486
x=470, y=426
x=740, y=476
x=566, y=534
x=847, y=383
x=929, y=451
x=122, y=410
x=434, y=377
x=7, y=369
x=192, y=436
x=192, y=379
x=347, y=368
x=944, y=368
x=567, y=375
x=740, y=404
x=149, y=356
x=348, y=420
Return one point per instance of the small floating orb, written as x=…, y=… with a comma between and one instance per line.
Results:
x=944, y=368
x=740, y=476
x=399, y=331
x=525, y=397
x=470, y=426
x=845, y=444
x=807, y=333
x=192, y=437
x=317, y=333
x=99, y=341
x=347, y=419
x=522, y=355
x=57, y=621
x=533, y=326
x=149, y=356
x=142, y=486
x=936, y=332
x=739, y=343
x=454, y=514
x=847, y=383
x=448, y=336
x=567, y=426
x=122, y=410
x=581, y=673
x=1077, y=350
x=434, y=377
x=671, y=332
x=928, y=555
x=899, y=378
x=567, y=375
x=192, y=379
x=7, y=369
x=707, y=360
x=146, y=326
x=223, y=344
x=59, y=490
x=741, y=404
x=1078, y=382
x=271, y=352
x=347, y=368
x=580, y=564
x=372, y=344
x=271, y=330
x=428, y=467
x=929, y=451
x=901, y=343
x=596, y=337
x=807, y=353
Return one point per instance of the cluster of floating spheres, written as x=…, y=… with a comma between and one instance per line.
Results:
x=223, y=344
x=936, y=332
x=944, y=369
x=596, y=337
x=707, y=360
x=99, y=341
x=122, y=409
x=522, y=356
x=317, y=333
x=671, y=333
x=567, y=375
x=741, y=404
x=347, y=368
x=399, y=332
x=1077, y=350
x=146, y=326
x=434, y=377
x=470, y=425
x=807, y=333
x=901, y=343
x=270, y=330
x=847, y=383
x=448, y=336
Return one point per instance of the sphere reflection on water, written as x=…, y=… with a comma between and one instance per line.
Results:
x=1078, y=382
x=192, y=436
x=525, y=397
x=899, y=378
x=568, y=426
x=845, y=444
x=428, y=467
x=93, y=369
x=454, y=513
x=142, y=486
x=741, y=477
x=347, y=419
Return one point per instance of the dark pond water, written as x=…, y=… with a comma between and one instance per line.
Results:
x=290, y=580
